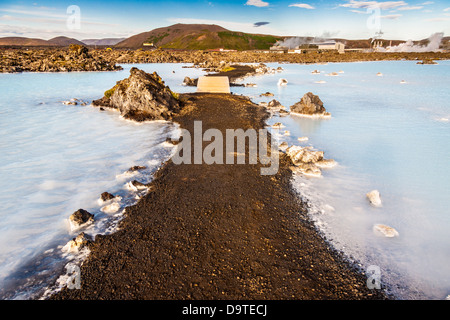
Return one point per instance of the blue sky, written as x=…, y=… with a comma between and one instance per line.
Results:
x=352, y=19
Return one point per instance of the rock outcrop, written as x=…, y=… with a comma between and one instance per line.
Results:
x=374, y=198
x=136, y=168
x=190, y=82
x=78, y=243
x=75, y=58
x=386, y=231
x=106, y=196
x=310, y=105
x=304, y=155
x=142, y=96
x=275, y=104
x=427, y=61
x=309, y=161
x=80, y=218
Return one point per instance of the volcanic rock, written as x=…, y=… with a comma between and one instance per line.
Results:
x=387, y=231
x=78, y=243
x=142, y=96
x=105, y=196
x=374, y=198
x=80, y=217
x=310, y=105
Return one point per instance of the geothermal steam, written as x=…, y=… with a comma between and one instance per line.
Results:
x=408, y=46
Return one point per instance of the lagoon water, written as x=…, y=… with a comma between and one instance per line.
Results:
x=389, y=132
x=57, y=158
x=384, y=134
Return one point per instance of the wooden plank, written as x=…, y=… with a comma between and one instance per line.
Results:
x=213, y=84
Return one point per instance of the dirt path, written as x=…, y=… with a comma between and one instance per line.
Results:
x=217, y=232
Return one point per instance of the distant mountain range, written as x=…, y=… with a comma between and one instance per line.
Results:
x=184, y=36
x=102, y=42
x=32, y=42
x=56, y=42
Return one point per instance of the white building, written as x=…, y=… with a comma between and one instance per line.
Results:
x=330, y=45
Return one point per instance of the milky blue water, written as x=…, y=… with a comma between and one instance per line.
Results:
x=390, y=133
x=384, y=134
x=57, y=158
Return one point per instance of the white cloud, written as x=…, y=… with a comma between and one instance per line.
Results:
x=32, y=19
x=302, y=5
x=391, y=16
x=427, y=3
x=359, y=11
x=437, y=19
x=411, y=8
x=447, y=9
x=48, y=33
x=374, y=4
x=257, y=3
x=40, y=12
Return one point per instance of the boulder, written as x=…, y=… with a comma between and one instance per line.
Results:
x=274, y=104
x=135, y=186
x=310, y=105
x=136, y=168
x=427, y=61
x=282, y=82
x=386, y=231
x=277, y=125
x=142, y=96
x=301, y=155
x=190, y=82
x=309, y=169
x=78, y=243
x=106, y=196
x=80, y=217
x=374, y=198
x=283, y=146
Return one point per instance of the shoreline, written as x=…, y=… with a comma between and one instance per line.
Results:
x=83, y=59
x=261, y=278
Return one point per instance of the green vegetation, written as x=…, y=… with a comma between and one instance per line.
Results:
x=204, y=40
x=174, y=94
x=227, y=69
x=110, y=92
x=245, y=41
x=79, y=49
x=156, y=39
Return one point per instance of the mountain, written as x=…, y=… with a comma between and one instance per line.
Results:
x=102, y=42
x=21, y=41
x=32, y=42
x=199, y=37
x=64, y=41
